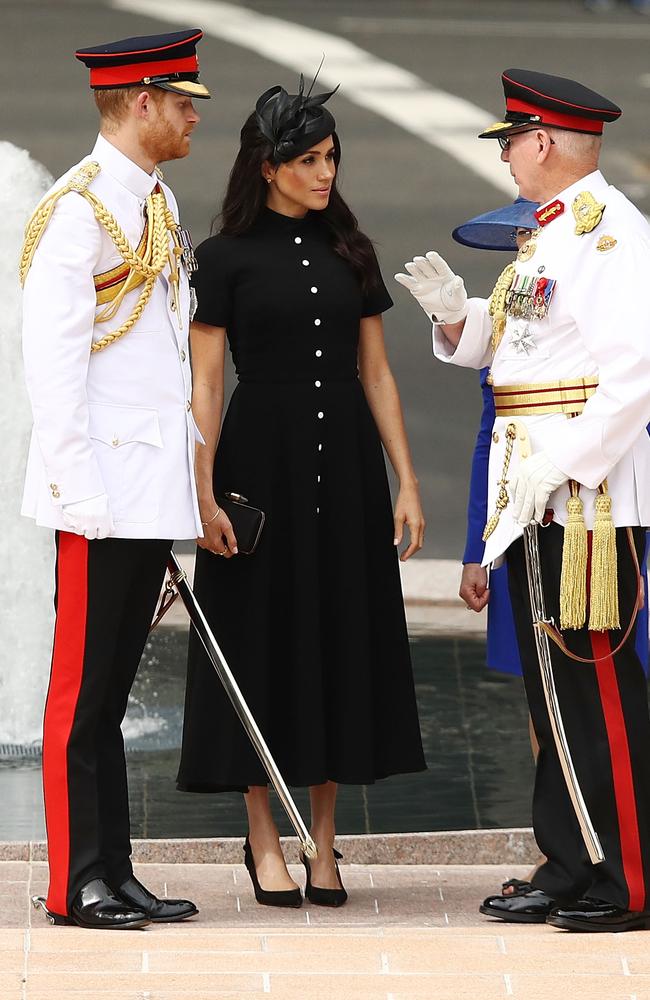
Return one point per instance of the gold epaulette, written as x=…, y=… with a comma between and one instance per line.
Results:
x=43, y=213
x=587, y=212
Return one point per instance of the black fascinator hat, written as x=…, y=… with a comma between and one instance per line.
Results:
x=293, y=122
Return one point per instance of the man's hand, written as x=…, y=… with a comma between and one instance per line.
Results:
x=90, y=518
x=439, y=291
x=473, y=587
x=536, y=480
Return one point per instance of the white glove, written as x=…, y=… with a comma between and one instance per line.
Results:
x=91, y=518
x=536, y=480
x=439, y=291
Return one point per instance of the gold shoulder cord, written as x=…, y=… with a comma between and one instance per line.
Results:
x=156, y=254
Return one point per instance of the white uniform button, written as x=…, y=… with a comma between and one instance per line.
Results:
x=313, y=289
x=183, y=355
x=305, y=263
x=115, y=441
x=320, y=414
x=319, y=353
x=316, y=322
x=297, y=239
x=317, y=384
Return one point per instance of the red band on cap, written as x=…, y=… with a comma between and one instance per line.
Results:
x=575, y=122
x=114, y=76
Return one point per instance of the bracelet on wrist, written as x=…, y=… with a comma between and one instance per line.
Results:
x=211, y=519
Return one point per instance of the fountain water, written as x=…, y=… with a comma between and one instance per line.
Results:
x=27, y=579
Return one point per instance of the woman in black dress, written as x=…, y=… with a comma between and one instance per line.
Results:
x=312, y=623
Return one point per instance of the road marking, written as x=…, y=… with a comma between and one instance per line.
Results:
x=606, y=30
x=442, y=120
x=626, y=967
x=508, y=984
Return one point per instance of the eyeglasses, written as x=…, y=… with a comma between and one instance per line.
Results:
x=504, y=141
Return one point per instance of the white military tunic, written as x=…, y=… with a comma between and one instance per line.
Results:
x=117, y=421
x=598, y=323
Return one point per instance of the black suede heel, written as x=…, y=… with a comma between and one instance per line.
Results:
x=267, y=897
x=320, y=896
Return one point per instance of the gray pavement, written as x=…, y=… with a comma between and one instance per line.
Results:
x=407, y=194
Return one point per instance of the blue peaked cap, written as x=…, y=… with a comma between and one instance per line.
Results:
x=496, y=230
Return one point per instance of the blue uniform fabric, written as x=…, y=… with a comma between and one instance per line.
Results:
x=502, y=649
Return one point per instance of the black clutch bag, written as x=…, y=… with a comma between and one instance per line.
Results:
x=247, y=522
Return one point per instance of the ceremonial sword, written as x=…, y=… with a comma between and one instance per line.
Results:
x=538, y=609
x=177, y=584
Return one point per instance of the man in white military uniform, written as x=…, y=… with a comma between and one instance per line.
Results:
x=565, y=338
x=110, y=467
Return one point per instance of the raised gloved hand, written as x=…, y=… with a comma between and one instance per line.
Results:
x=90, y=518
x=439, y=291
x=536, y=479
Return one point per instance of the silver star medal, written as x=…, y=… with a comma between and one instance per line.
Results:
x=522, y=339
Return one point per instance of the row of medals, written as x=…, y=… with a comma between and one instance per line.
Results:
x=529, y=295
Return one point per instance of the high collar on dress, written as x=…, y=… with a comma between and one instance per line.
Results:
x=129, y=174
x=286, y=223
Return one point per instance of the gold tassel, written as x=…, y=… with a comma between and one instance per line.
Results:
x=573, y=581
x=603, y=614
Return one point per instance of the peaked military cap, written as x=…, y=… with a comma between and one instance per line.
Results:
x=540, y=99
x=168, y=61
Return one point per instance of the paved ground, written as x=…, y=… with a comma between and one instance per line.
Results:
x=408, y=932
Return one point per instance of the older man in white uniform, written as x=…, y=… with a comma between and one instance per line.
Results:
x=110, y=468
x=567, y=336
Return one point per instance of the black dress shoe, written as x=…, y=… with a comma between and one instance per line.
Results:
x=319, y=895
x=532, y=907
x=96, y=906
x=269, y=897
x=159, y=911
x=596, y=915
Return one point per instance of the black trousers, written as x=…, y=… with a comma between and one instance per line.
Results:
x=605, y=712
x=106, y=594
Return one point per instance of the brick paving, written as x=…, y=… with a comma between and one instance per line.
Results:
x=409, y=931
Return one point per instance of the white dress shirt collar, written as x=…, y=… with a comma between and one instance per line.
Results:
x=129, y=174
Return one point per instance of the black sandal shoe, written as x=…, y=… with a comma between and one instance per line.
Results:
x=269, y=897
x=519, y=887
x=320, y=896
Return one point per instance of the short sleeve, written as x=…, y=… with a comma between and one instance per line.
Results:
x=376, y=298
x=212, y=282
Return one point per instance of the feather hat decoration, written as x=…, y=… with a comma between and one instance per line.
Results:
x=294, y=122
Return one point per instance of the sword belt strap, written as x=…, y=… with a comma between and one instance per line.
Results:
x=541, y=398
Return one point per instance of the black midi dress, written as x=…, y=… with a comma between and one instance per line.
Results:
x=312, y=623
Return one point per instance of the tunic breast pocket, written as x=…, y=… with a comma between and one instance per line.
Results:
x=129, y=450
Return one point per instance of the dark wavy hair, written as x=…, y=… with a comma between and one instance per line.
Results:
x=246, y=195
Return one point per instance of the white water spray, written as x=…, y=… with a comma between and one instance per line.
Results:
x=27, y=566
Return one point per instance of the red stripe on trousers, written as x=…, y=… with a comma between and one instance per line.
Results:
x=621, y=769
x=65, y=682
